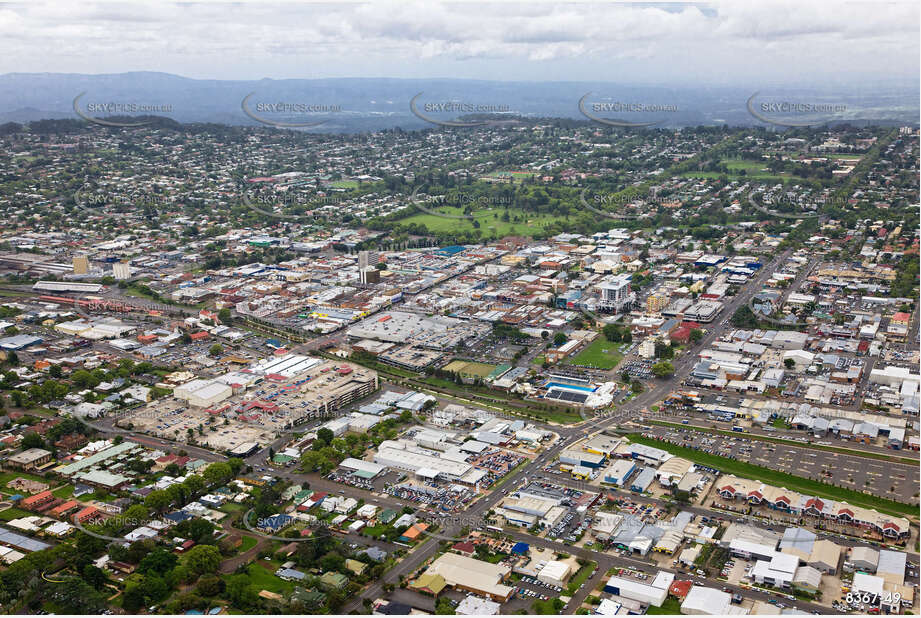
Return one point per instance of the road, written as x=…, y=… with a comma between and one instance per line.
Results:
x=451, y=526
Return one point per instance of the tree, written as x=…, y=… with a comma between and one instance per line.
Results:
x=157, y=562
x=789, y=363
x=241, y=592
x=137, y=514
x=203, y=559
x=559, y=339
x=216, y=350
x=224, y=315
x=612, y=333
x=94, y=576
x=157, y=500
x=325, y=435
x=55, y=371
x=217, y=474
x=636, y=386
x=663, y=369
x=696, y=335
x=32, y=440
x=209, y=585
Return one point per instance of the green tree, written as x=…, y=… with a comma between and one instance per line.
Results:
x=203, y=559
x=157, y=500
x=663, y=369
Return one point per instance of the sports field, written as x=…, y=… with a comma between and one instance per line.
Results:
x=489, y=219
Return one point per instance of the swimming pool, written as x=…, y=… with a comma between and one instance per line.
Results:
x=585, y=389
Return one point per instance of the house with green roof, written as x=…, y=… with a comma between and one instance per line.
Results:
x=307, y=596
x=387, y=515
x=333, y=581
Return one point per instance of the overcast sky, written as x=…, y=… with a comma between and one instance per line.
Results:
x=737, y=43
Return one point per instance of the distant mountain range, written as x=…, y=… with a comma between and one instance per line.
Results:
x=364, y=104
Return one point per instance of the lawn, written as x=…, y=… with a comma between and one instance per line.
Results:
x=6, y=477
x=64, y=492
x=344, y=184
x=755, y=170
x=547, y=608
x=579, y=578
x=780, y=423
x=600, y=353
x=774, y=477
x=13, y=513
x=246, y=544
x=490, y=221
x=266, y=580
x=671, y=607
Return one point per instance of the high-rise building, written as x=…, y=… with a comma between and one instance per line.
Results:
x=656, y=303
x=615, y=293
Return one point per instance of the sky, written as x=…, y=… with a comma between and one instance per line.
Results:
x=746, y=43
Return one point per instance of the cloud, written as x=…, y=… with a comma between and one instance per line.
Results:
x=491, y=40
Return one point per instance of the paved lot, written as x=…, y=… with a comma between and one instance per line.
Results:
x=881, y=478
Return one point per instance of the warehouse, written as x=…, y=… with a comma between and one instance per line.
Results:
x=555, y=573
x=703, y=601
x=619, y=472
x=423, y=465
x=361, y=468
x=476, y=576
x=581, y=458
x=653, y=593
x=643, y=480
x=203, y=393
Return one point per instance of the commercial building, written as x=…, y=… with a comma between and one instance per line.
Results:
x=203, y=393
x=555, y=573
x=703, y=601
x=29, y=459
x=476, y=576
x=653, y=593
x=619, y=472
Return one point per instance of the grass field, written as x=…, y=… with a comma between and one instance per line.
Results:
x=671, y=607
x=774, y=477
x=756, y=170
x=13, y=513
x=490, y=220
x=246, y=544
x=6, y=477
x=579, y=578
x=600, y=353
x=266, y=580
x=64, y=492
x=344, y=184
